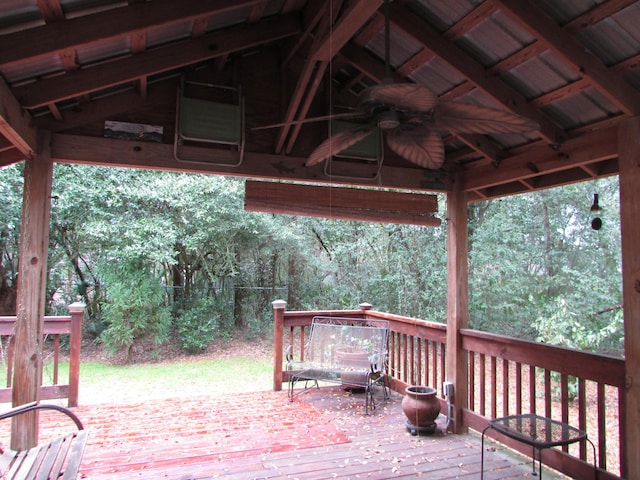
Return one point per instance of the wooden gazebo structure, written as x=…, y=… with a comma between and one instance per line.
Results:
x=70, y=68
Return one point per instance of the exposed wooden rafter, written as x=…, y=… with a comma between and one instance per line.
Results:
x=329, y=40
x=608, y=83
x=474, y=71
x=15, y=123
x=155, y=61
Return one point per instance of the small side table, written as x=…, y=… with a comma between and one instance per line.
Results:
x=540, y=433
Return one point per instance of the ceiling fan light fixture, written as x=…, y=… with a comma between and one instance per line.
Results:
x=595, y=207
x=388, y=120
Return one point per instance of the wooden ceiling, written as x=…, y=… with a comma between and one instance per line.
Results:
x=572, y=66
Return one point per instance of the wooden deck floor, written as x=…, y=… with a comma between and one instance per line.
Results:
x=323, y=434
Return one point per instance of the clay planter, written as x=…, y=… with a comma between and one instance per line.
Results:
x=355, y=363
x=421, y=407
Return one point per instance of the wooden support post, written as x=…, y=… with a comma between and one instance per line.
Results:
x=629, y=164
x=457, y=300
x=75, y=339
x=278, y=332
x=32, y=279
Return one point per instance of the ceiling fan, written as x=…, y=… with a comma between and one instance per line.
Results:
x=413, y=120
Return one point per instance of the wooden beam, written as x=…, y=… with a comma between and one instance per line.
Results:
x=457, y=299
x=109, y=106
x=629, y=164
x=475, y=72
x=360, y=204
x=39, y=42
x=329, y=41
x=588, y=148
x=15, y=123
x=86, y=150
x=32, y=282
x=355, y=16
x=9, y=157
x=155, y=61
x=51, y=10
x=543, y=27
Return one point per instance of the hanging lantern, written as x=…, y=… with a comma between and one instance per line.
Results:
x=596, y=222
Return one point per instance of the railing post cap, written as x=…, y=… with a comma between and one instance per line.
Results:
x=366, y=306
x=279, y=304
x=76, y=307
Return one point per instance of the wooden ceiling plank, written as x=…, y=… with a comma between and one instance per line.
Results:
x=596, y=15
x=51, y=10
x=154, y=61
x=542, y=160
x=518, y=58
x=68, y=59
x=611, y=85
x=352, y=20
x=15, y=123
x=474, y=71
x=471, y=20
x=561, y=93
x=627, y=64
x=115, y=23
x=415, y=62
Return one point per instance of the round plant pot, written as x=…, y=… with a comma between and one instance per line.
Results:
x=354, y=363
x=421, y=407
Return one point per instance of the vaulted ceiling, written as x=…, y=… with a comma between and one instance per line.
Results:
x=571, y=66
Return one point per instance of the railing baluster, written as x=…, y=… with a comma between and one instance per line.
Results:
x=434, y=366
x=443, y=363
x=582, y=414
x=532, y=389
x=602, y=426
x=494, y=387
x=547, y=393
x=472, y=380
x=518, y=374
x=564, y=402
x=428, y=344
x=505, y=387
x=483, y=391
x=56, y=357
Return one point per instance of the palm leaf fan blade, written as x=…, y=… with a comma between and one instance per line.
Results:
x=336, y=143
x=421, y=145
x=403, y=96
x=468, y=118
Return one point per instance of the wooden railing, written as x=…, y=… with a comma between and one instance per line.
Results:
x=54, y=326
x=507, y=376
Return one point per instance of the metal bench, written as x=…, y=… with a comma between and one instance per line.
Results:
x=349, y=351
x=59, y=459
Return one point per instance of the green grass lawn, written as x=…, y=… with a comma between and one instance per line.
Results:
x=102, y=383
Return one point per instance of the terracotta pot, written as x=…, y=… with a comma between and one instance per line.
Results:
x=355, y=364
x=421, y=407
